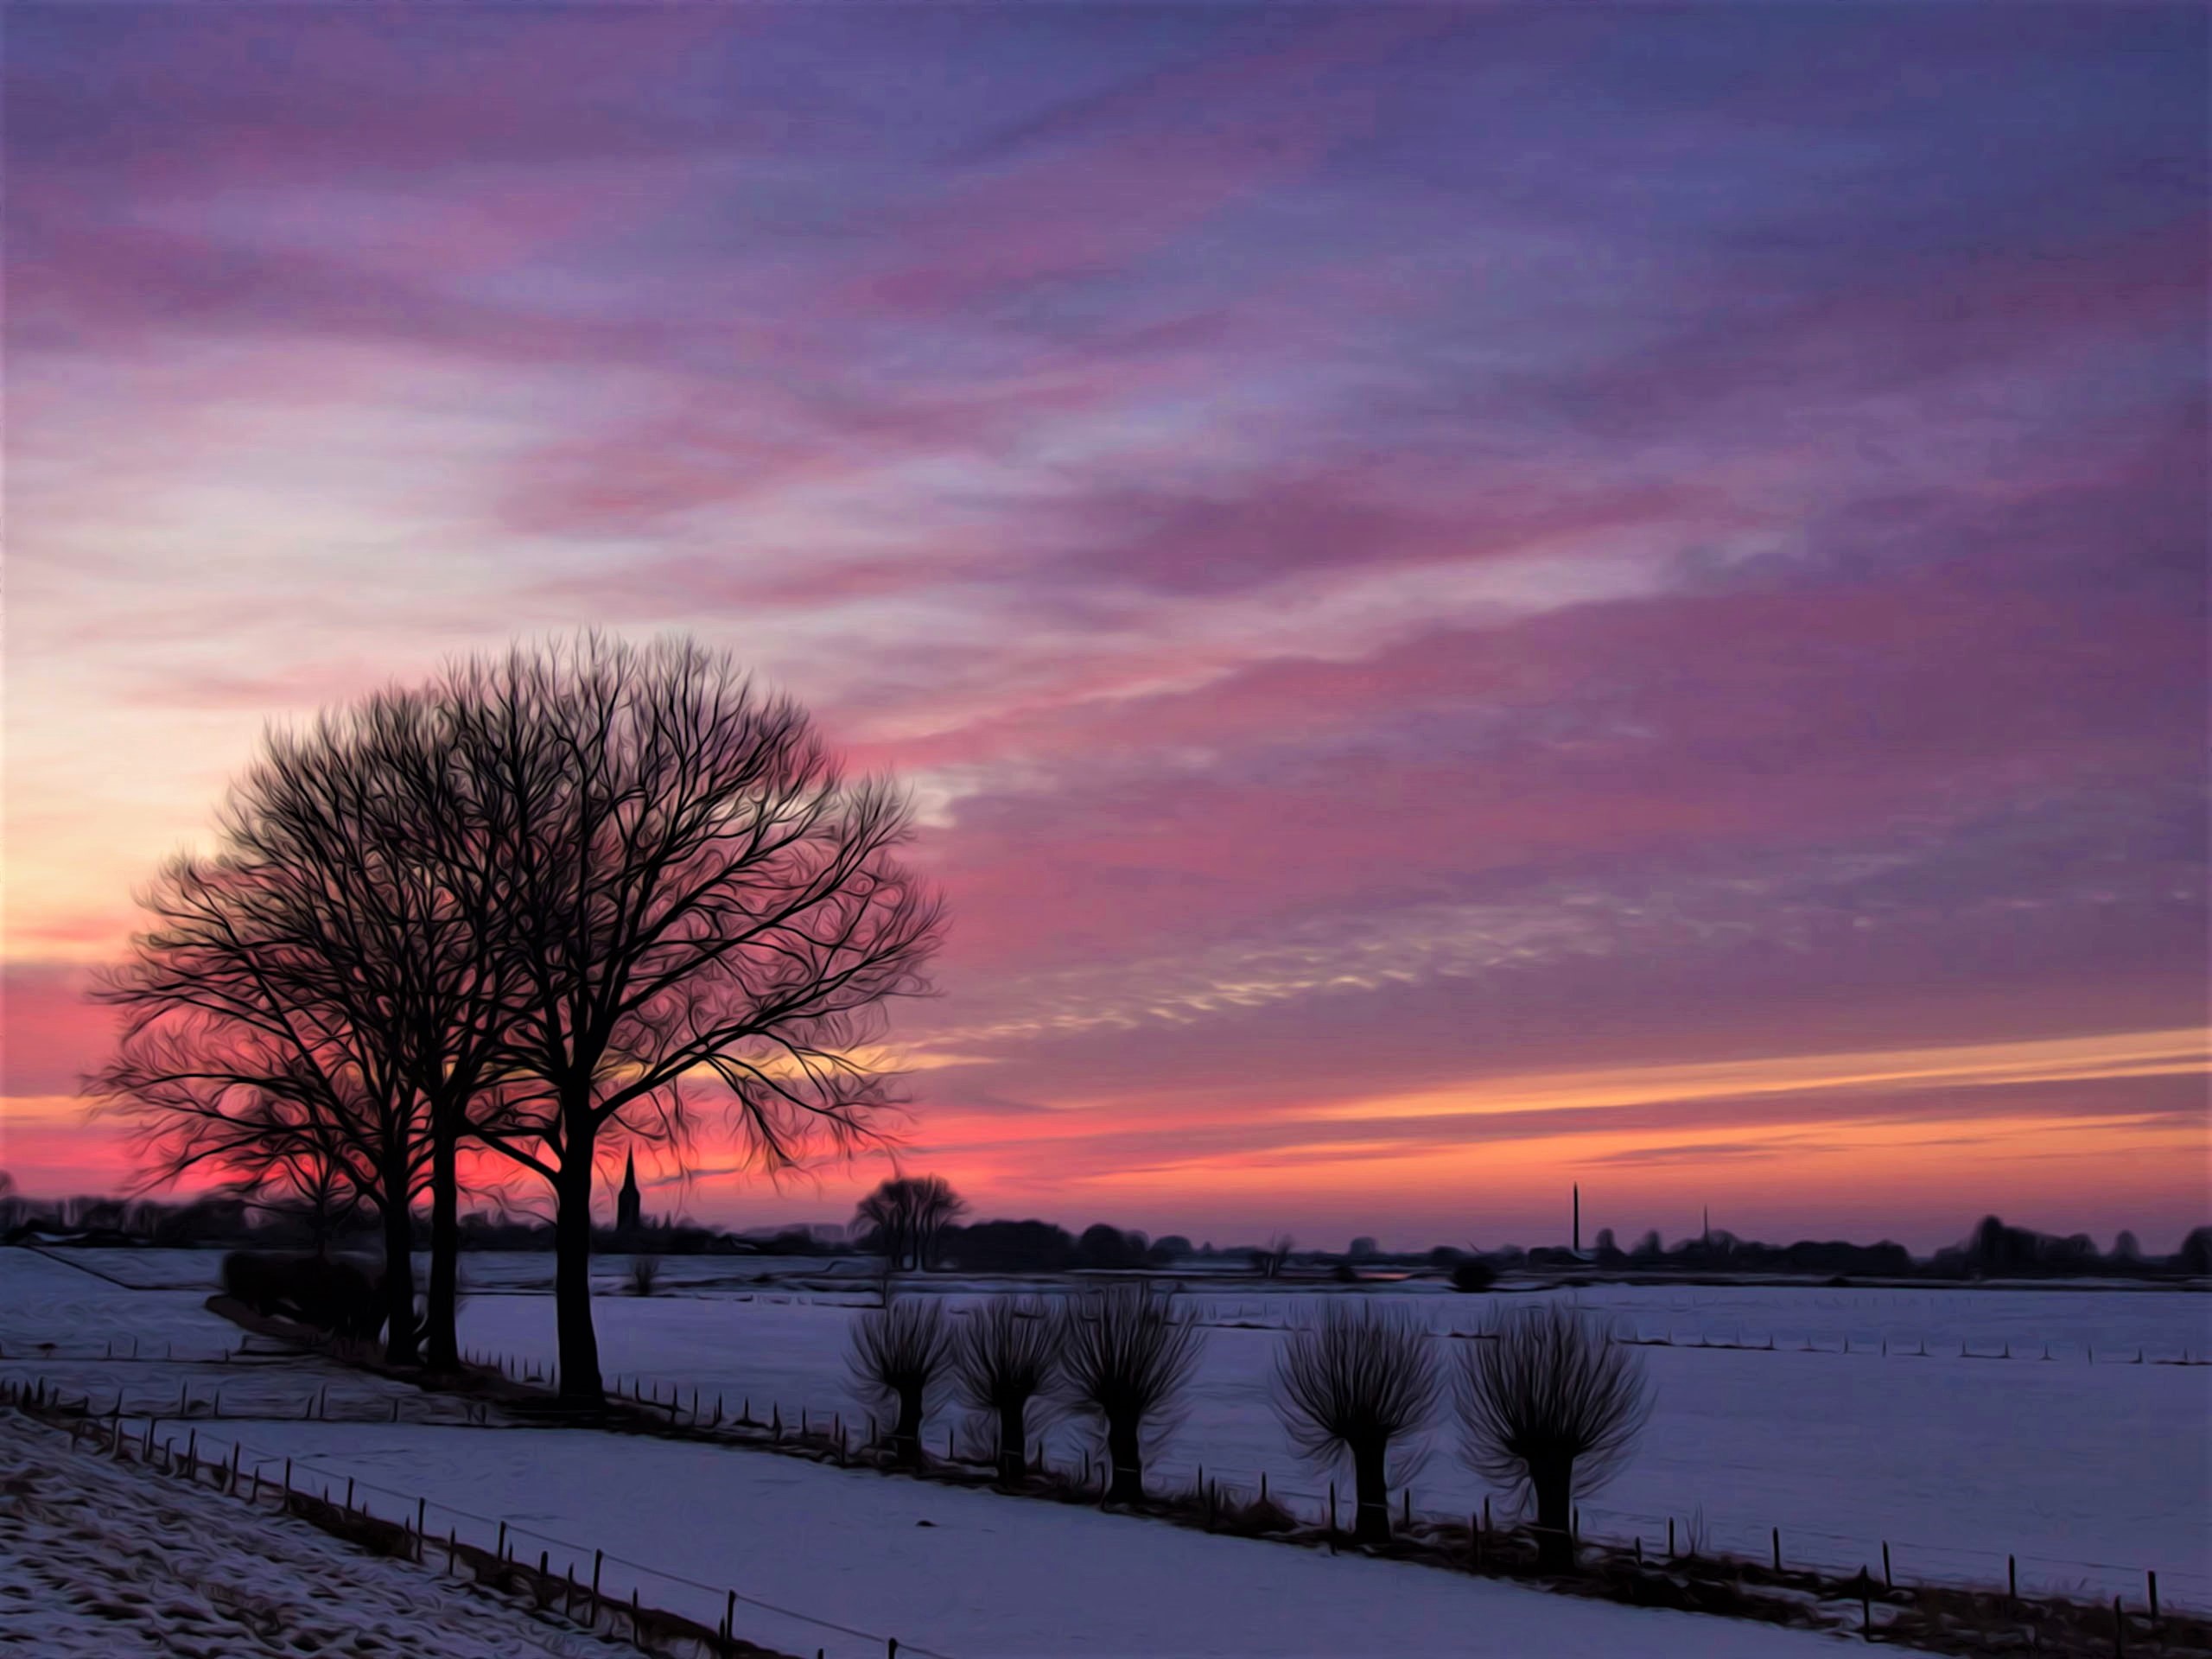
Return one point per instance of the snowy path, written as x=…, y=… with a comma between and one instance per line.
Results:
x=99, y=1560
x=955, y=1571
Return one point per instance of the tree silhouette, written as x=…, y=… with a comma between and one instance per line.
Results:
x=692, y=900
x=1550, y=1406
x=572, y=887
x=1128, y=1357
x=908, y=1215
x=1006, y=1354
x=259, y=1040
x=898, y=1355
x=1359, y=1378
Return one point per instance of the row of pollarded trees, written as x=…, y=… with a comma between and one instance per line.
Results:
x=545, y=902
x=1547, y=1403
x=1120, y=1357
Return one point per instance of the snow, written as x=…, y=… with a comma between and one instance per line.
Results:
x=2089, y=1468
x=853, y=1557
x=2089, y=1472
x=99, y=1560
x=831, y=1560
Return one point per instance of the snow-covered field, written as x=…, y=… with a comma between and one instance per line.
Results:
x=2088, y=1467
x=827, y=1559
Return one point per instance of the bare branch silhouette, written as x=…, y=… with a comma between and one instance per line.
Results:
x=899, y=1355
x=908, y=1215
x=1007, y=1354
x=1358, y=1378
x=693, y=902
x=1128, y=1358
x=1549, y=1407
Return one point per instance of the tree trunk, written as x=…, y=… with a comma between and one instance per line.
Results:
x=399, y=1346
x=442, y=1335
x=1554, y=1485
x=1371, y=1516
x=1126, y=1457
x=1014, y=1440
x=579, y=1343
x=906, y=1434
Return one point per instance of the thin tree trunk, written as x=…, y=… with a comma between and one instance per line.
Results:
x=399, y=1345
x=442, y=1337
x=579, y=1343
x=1126, y=1456
x=1372, y=1519
x=1014, y=1434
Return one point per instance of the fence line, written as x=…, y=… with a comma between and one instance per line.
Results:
x=418, y=1510
x=696, y=1416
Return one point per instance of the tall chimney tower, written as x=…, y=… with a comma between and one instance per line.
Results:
x=1578, y=1217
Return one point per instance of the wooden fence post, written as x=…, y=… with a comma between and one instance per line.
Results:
x=2153, y=1578
x=1888, y=1583
x=2011, y=1578
x=598, y=1560
x=1777, y=1549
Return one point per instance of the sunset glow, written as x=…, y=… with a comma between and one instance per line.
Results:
x=1471, y=600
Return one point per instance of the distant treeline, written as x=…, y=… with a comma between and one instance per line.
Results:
x=1992, y=1250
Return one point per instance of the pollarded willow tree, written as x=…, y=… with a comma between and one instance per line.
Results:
x=693, y=902
x=1550, y=1405
x=1358, y=1380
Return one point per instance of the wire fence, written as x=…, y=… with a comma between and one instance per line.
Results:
x=1695, y=1530
x=263, y=1479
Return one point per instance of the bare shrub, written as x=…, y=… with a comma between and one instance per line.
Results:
x=898, y=1356
x=644, y=1274
x=1360, y=1377
x=1128, y=1359
x=1473, y=1275
x=1550, y=1406
x=1005, y=1356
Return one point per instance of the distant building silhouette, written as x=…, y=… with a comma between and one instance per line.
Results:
x=628, y=1207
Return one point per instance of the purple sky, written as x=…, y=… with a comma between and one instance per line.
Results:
x=1474, y=598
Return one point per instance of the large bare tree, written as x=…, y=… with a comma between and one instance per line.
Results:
x=690, y=901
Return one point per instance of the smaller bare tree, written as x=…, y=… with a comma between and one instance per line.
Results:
x=1129, y=1358
x=909, y=1214
x=899, y=1355
x=1357, y=1379
x=1550, y=1406
x=645, y=1274
x=1007, y=1354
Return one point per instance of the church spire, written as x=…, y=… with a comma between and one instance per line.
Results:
x=627, y=1207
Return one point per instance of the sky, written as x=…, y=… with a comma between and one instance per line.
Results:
x=1473, y=598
